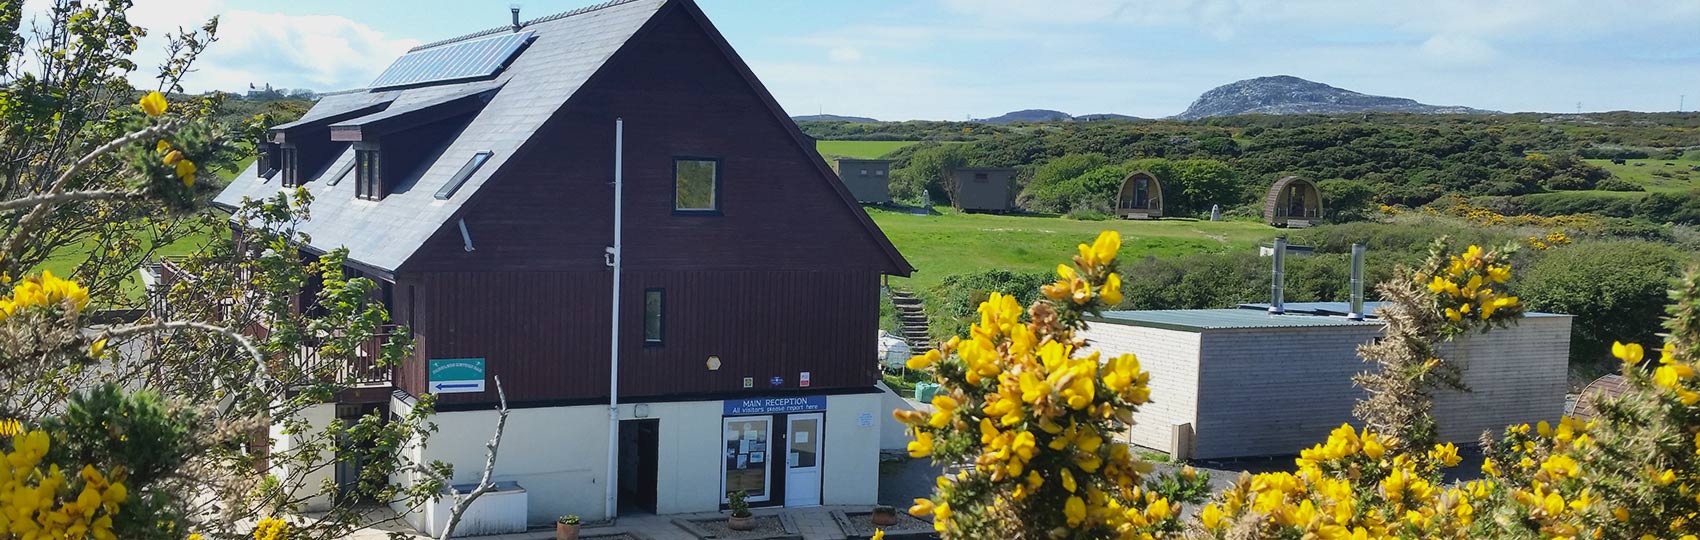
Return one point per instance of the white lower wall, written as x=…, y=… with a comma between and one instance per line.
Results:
x=560, y=454
x=313, y=475
x=1171, y=356
x=852, y=449
x=893, y=434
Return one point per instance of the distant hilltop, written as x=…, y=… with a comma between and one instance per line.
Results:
x=833, y=118
x=1047, y=115
x=1284, y=94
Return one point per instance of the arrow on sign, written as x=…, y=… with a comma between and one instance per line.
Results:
x=441, y=386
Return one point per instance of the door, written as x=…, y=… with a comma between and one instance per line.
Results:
x=640, y=441
x=803, y=459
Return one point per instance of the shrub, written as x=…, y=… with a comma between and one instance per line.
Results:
x=1346, y=200
x=950, y=304
x=1616, y=290
x=1618, y=184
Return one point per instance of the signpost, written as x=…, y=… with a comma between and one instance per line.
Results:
x=455, y=375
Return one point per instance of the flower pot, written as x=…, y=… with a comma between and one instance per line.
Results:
x=746, y=523
x=885, y=519
x=565, y=531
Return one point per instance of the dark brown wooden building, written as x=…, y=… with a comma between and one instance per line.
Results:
x=480, y=193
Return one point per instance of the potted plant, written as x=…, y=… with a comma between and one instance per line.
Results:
x=885, y=516
x=566, y=528
x=742, y=519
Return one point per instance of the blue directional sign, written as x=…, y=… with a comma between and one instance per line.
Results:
x=772, y=405
x=456, y=375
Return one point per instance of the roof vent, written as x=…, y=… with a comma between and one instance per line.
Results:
x=514, y=9
x=1357, y=313
x=1278, y=285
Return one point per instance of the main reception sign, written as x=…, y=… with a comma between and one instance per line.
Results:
x=774, y=405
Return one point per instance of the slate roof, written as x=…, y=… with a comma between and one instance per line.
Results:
x=567, y=50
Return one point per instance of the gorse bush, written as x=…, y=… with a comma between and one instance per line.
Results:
x=1031, y=416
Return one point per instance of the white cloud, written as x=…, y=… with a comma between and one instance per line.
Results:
x=845, y=54
x=1456, y=50
x=321, y=52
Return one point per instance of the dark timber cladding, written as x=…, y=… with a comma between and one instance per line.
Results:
x=784, y=279
x=495, y=206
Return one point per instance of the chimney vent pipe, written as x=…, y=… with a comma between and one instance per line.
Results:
x=1357, y=313
x=514, y=9
x=1278, y=285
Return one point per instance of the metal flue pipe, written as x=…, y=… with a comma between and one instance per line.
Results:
x=611, y=496
x=1357, y=313
x=1278, y=279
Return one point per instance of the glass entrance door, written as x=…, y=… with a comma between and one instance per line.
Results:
x=746, y=458
x=803, y=459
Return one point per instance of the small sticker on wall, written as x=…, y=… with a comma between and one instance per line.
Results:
x=749, y=382
x=777, y=381
x=803, y=380
x=865, y=420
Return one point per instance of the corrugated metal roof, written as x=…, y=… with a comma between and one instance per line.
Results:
x=1217, y=319
x=382, y=234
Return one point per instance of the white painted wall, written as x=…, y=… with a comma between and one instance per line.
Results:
x=1515, y=375
x=688, y=476
x=1171, y=356
x=893, y=434
x=559, y=454
x=312, y=476
x=852, y=451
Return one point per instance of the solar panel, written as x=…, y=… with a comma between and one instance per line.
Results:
x=474, y=59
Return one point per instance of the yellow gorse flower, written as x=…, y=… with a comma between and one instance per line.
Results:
x=44, y=291
x=37, y=503
x=153, y=104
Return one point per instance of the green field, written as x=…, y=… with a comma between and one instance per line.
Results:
x=859, y=149
x=952, y=243
x=1657, y=175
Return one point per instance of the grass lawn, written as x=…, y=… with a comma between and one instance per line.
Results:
x=1655, y=175
x=954, y=243
x=859, y=149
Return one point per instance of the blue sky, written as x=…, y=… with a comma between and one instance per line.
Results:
x=953, y=59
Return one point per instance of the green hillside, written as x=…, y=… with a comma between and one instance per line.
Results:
x=953, y=243
x=1657, y=175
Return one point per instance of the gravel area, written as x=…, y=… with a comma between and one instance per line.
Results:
x=766, y=527
x=861, y=525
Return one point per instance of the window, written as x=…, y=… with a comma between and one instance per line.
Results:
x=291, y=167
x=367, y=181
x=863, y=171
x=465, y=172
x=746, y=454
x=879, y=172
x=653, y=303
x=696, y=182
x=981, y=177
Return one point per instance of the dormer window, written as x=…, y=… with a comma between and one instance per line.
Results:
x=291, y=166
x=368, y=179
x=270, y=158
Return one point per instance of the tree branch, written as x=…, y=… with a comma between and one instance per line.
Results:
x=484, y=483
x=261, y=375
x=59, y=184
x=56, y=199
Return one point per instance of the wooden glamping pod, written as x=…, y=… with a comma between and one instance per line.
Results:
x=1293, y=202
x=983, y=189
x=1141, y=197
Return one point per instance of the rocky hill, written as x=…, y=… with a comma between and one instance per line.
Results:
x=1027, y=115
x=1291, y=95
x=833, y=118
